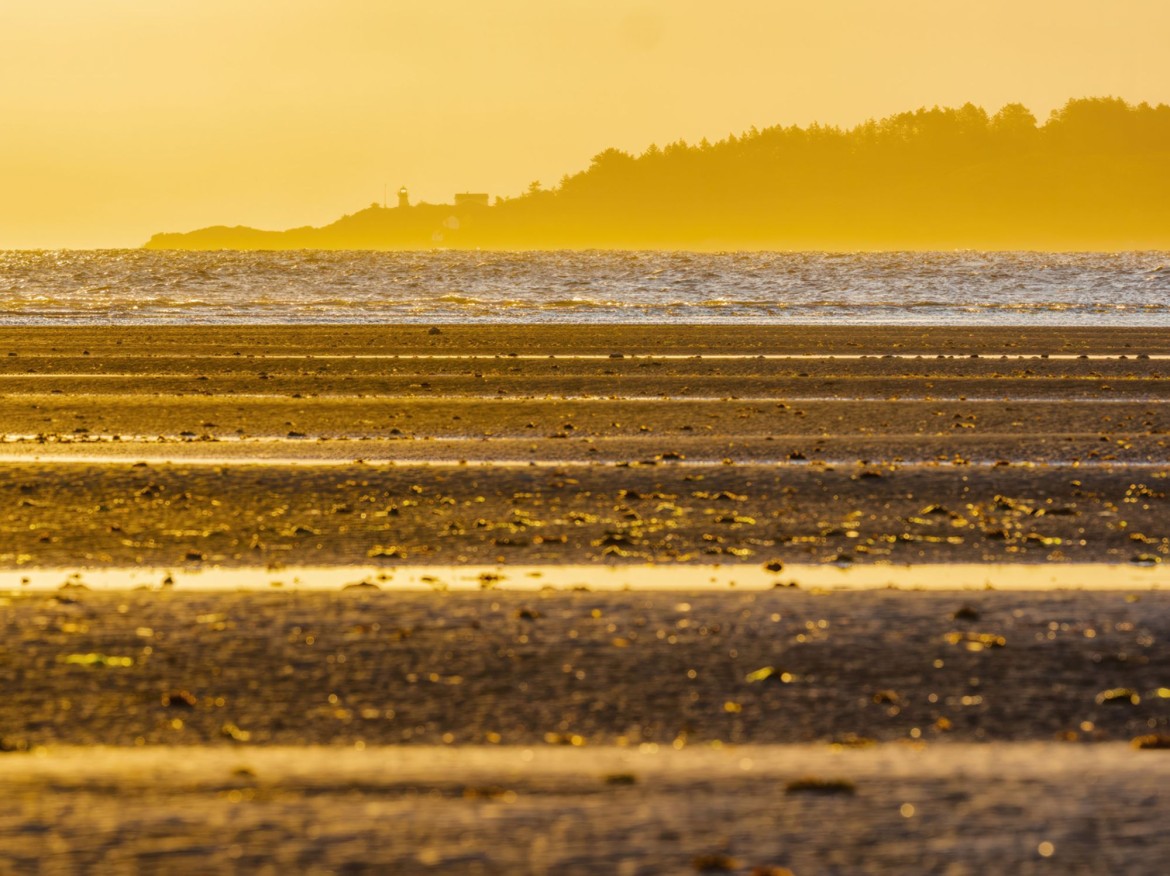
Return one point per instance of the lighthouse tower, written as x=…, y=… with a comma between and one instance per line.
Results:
x=403, y=197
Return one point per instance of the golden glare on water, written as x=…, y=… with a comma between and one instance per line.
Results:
x=126, y=118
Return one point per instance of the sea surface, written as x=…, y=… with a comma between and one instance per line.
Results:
x=959, y=288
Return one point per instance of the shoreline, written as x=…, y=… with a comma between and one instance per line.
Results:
x=593, y=338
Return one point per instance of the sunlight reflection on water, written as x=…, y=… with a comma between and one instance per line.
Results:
x=961, y=288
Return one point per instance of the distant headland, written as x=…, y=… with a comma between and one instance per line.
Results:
x=1094, y=176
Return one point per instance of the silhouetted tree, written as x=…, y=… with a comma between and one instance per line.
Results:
x=1096, y=174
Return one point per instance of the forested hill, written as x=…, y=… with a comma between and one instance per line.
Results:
x=1095, y=175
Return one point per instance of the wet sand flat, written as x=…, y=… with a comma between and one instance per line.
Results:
x=591, y=339
x=965, y=809
x=310, y=445
x=777, y=667
x=387, y=447
x=178, y=515
x=361, y=731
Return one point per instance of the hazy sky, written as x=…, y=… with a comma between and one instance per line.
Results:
x=119, y=118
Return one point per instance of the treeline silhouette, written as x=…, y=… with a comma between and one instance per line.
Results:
x=1095, y=175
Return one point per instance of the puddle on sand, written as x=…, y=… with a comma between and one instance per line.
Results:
x=712, y=578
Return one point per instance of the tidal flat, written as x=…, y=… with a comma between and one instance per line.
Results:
x=239, y=446
x=392, y=449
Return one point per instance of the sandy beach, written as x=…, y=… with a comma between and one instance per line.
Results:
x=250, y=446
x=1029, y=808
x=1006, y=715
x=498, y=667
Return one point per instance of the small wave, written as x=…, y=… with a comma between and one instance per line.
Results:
x=459, y=299
x=138, y=286
x=582, y=303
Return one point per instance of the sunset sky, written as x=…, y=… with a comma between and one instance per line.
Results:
x=125, y=117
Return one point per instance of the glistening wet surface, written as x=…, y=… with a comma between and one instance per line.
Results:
x=1020, y=808
x=476, y=596
x=609, y=578
x=597, y=287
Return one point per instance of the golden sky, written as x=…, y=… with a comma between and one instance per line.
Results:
x=119, y=118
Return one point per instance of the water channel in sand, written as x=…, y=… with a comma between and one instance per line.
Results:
x=599, y=578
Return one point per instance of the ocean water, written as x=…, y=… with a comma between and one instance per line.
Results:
x=960, y=288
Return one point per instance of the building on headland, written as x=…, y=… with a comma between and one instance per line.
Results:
x=471, y=199
x=462, y=199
